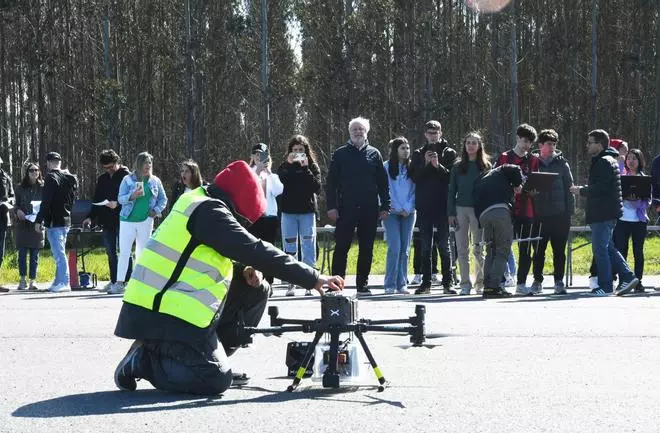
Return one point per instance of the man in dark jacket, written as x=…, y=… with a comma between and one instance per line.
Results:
x=6, y=200
x=604, y=207
x=429, y=169
x=177, y=306
x=55, y=214
x=356, y=182
x=493, y=195
x=107, y=215
x=553, y=209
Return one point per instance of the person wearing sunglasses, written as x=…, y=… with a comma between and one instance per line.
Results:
x=28, y=241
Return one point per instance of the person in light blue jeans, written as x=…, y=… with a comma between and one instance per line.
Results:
x=401, y=221
x=57, y=240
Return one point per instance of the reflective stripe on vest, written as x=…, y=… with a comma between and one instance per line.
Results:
x=196, y=295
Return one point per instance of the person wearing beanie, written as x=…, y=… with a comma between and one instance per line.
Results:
x=199, y=276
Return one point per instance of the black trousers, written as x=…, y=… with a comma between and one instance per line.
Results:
x=623, y=232
x=554, y=230
x=438, y=240
x=524, y=228
x=417, y=255
x=266, y=228
x=203, y=367
x=365, y=219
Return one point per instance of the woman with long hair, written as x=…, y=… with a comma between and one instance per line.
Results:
x=190, y=177
x=28, y=241
x=401, y=221
x=634, y=221
x=473, y=164
x=142, y=198
x=301, y=177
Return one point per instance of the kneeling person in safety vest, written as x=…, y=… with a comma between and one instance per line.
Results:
x=195, y=281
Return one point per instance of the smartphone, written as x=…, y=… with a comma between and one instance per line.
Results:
x=298, y=157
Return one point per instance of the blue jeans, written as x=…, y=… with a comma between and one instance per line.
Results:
x=110, y=240
x=398, y=232
x=303, y=226
x=57, y=240
x=511, y=264
x=22, y=262
x=607, y=256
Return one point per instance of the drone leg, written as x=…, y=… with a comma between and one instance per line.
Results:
x=303, y=365
x=372, y=361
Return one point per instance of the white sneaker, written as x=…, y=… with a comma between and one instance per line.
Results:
x=403, y=290
x=435, y=279
x=291, y=291
x=308, y=292
x=521, y=289
x=417, y=279
x=389, y=291
x=117, y=288
x=509, y=280
x=60, y=288
x=593, y=283
x=107, y=287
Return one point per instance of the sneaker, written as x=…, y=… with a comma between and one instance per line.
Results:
x=599, y=293
x=308, y=292
x=424, y=289
x=363, y=291
x=22, y=284
x=4, y=289
x=627, y=287
x=448, y=291
x=239, y=379
x=33, y=285
x=389, y=291
x=59, y=288
x=465, y=291
x=509, y=280
x=640, y=288
x=107, y=287
x=117, y=289
x=521, y=289
x=479, y=288
x=291, y=291
x=537, y=287
x=403, y=290
x=435, y=279
x=496, y=293
x=593, y=283
x=126, y=372
x=417, y=279
x=560, y=289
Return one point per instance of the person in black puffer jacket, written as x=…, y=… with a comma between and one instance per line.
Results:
x=6, y=199
x=604, y=206
x=301, y=177
x=553, y=210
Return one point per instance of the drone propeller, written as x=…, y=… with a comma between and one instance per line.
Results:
x=409, y=345
x=429, y=336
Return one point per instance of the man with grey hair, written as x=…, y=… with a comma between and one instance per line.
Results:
x=55, y=214
x=6, y=201
x=356, y=180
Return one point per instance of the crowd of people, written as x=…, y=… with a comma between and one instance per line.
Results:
x=419, y=196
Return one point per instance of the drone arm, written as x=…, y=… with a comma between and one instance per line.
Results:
x=388, y=322
x=276, y=329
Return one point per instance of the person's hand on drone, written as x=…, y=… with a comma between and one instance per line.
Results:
x=334, y=284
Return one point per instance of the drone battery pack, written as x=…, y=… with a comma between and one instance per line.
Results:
x=348, y=362
x=295, y=353
x=338, y=310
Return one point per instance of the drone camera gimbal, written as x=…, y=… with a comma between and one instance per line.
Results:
x=339, y=316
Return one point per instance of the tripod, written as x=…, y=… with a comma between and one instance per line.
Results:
x=338, y=317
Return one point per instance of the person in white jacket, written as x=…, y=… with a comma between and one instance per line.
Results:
x=266, y=227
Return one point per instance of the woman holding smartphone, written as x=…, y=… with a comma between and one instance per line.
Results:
x=301, y=177
x=142, y=198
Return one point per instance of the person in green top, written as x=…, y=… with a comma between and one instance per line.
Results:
x=142, y=198
x=473, y=164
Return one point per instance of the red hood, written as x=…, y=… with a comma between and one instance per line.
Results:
x=244, y=189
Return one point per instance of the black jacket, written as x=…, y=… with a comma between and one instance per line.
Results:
x=496, y=187
x=107, y=188
x=432, y=184
x=6, y=196
x=558, y=200
x=301, y=184
x=213, y=223
x=57, y=199
x=356, y=177
x=603, y=192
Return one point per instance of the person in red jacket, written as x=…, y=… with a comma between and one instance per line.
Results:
x=523, y=208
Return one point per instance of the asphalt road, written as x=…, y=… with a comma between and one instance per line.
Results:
x=541, y=364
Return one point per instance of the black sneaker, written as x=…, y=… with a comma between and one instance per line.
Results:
x=626, y=287
x=239, y=379
x=424, y=289
x=495, y=293
x=363, y=291
x=126, y=372
x=447, y=290
x=640, y=288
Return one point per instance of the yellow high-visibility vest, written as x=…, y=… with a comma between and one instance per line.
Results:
x=174, y=277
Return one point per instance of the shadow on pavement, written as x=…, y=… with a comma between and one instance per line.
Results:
x=113, y=402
